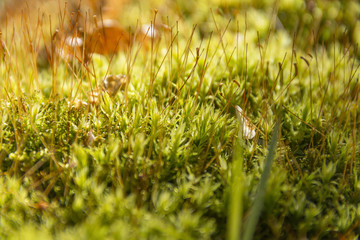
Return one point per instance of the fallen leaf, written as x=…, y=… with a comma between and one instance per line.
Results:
x=69, y=46
x=148, y=30
x=247, y=128
x=107, y=38
x=148, y=33
x=112, y=83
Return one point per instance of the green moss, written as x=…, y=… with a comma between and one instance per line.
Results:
x=159, y=160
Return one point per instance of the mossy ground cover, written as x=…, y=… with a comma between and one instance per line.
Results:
x=165, y=158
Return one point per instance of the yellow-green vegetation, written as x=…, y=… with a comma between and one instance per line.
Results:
x=166, y=156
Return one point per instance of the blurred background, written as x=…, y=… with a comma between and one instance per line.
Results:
x=310, y=21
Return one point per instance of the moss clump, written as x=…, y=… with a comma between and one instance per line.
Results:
x=160, y=158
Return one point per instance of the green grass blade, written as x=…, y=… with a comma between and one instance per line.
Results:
x=236, y=190
x=256, y=209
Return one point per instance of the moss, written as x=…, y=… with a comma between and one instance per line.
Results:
x=155, y=161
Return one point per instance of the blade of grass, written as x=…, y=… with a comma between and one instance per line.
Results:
x=256, y=209
x=236, y=189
